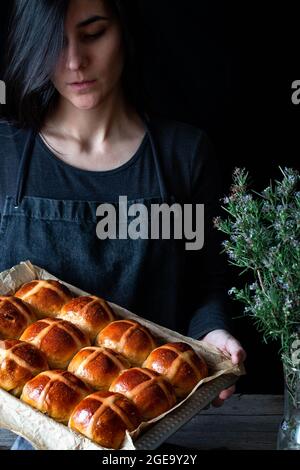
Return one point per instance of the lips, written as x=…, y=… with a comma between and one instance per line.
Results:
x=81, y=82
x=82, y=85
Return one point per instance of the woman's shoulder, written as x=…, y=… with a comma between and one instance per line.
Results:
x=182, y=143
x=4, y=128
x=172, y=129
x=10, y=135
x=185, y=151
x=9, y=128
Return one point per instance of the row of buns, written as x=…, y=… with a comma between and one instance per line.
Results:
x=72, y=358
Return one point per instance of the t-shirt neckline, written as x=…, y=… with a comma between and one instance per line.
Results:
x=122, y=167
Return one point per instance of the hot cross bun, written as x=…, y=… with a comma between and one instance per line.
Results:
x=60, y=340
x=129, y=338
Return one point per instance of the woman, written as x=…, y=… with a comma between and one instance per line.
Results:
x=75, y=136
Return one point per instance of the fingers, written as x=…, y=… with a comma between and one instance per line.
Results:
x=229, y=345
x=217, y=402
x=224, y=395
x=238, y=354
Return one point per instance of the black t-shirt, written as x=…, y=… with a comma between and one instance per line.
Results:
x=191, y=173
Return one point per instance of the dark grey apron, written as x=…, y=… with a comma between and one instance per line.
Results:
x=144, y=276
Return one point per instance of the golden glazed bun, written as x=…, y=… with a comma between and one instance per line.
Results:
x=129, y=338
x=179, y=363
x=15, y=316
x=98, y=367
x=152, y=394
x=58, y=339
x=45, y=297
x=19, y=362
x=55, y=392
x=91, y=314
x=104, y=417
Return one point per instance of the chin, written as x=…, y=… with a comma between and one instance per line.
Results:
x=85, y=102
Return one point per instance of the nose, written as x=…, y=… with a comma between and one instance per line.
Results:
x=75, y=57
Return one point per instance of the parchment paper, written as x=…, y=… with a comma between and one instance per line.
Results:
x=44, y=432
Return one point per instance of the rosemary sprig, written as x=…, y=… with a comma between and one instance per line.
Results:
x=264, y=238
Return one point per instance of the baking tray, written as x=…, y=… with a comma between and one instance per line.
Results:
x=171, y=423
x=45, y=433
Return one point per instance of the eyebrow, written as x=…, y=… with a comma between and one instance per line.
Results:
x=90, y=20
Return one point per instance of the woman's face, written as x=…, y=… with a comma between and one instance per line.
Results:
x=92, y=53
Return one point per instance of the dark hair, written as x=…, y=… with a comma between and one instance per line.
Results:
x=35, y=42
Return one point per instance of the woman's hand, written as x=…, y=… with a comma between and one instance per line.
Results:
x=228, y=345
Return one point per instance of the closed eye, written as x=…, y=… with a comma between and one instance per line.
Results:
x=85, y=37
x=93, y=36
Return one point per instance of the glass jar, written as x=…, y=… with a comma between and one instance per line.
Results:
x=289, y=429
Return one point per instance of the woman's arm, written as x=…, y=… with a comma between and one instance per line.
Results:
x=210, y=320
x=207, y=268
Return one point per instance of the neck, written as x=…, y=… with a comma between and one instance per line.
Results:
x=101, y=123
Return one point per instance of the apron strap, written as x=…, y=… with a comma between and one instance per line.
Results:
x=161, y=179
x=23, y=166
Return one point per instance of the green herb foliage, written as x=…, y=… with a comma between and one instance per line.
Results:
x=264, y=237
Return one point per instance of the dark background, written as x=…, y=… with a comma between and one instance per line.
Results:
x=227, y=67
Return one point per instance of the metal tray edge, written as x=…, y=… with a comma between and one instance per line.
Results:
x=163, y=429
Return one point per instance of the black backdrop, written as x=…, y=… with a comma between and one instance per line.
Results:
x=227, y=67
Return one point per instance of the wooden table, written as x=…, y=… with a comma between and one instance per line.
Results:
x=245, y=422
